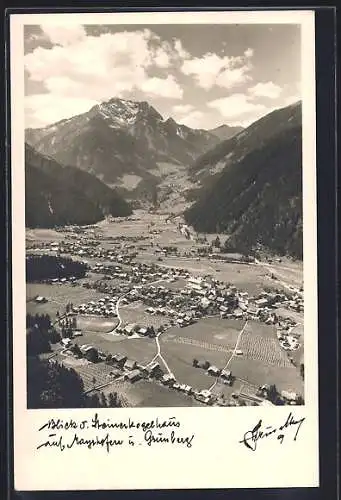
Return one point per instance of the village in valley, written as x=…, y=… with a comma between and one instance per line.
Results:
x=161, y=316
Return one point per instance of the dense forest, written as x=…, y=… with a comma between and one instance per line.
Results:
x=40, y=334
x=44, y=267
x=49, y=383
x=257, y=200
x=59, y=195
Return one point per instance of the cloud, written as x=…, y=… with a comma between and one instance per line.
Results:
x=168, y=54
x=266, y=89
x=291, y=99
x=222, y=71
x=238, y=109
x=42, y=109
x=104, y=66
x=163, y=87
x=230, y=78
x=182, y=109
x=193, y=119
x=162, y=59
x=178, y=47
x=63, y=34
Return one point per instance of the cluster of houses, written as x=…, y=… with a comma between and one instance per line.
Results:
x=131, y=371
x=86, y=247
x=136, y=274
x=105, y=306
x=107, y=287
x=282, y=397
x=166, y=250
x=224, y=374
x=134, y=329
x=202, y=296
x=124, y=368
x=188, y=304
x=63, y=281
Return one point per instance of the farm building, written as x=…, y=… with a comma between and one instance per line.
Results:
x=40, y=300
x=168, y=379
x=289, y=396
x=130, y=328
x=66, y=342
x=226, y=374
x=204, y=396
x=142, y=330
x=155, y=370
x=213, y=370
x=133, y=376
x=130, y=364
x=119, y=359
x=90, y=352
x=115, y=373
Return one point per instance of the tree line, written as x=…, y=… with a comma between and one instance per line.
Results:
x=52, y=385
x=49, y=383
x=43, y=267
x=40, y=334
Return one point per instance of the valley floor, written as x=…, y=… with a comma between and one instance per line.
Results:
x=250, y=348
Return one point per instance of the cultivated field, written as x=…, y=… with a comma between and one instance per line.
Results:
x=92, y=374
x=257, y=373
x=96, y=324
x=259, y=343
x=215, y=331
x=36, y=235
x=141, y=350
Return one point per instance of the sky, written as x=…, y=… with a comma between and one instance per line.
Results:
x=201, y=75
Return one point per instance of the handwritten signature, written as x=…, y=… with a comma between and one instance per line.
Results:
x=259, y=431
x=64, y=434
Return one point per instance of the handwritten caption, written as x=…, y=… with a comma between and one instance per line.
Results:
x=290, y=429
x=65, y=434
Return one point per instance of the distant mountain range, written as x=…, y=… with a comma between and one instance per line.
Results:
x=57, y=195
x=122, y=142
x=250, y=186
x=225, y=131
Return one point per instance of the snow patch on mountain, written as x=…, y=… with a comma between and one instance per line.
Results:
x=119, y=113
x=130, y=181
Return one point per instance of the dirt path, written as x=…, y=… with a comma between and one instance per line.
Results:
x=232, y=355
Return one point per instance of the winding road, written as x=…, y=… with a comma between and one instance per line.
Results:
x=120, y=321
x=158, y=347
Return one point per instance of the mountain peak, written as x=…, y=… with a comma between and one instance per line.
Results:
x=122, y=113
x=119, y=138
x=171, y=121
x=225, y=131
